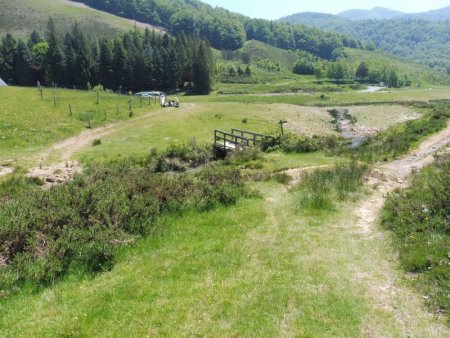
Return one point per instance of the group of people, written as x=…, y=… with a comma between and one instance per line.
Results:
x=167, y=102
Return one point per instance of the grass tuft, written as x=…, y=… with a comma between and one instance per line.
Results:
x=320, y=191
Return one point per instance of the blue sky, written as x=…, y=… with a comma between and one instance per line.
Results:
x=270, y=9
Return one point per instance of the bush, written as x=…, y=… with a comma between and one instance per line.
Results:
x=46, y=233
x=292, y=143
x=179, y=158
x=419, y=219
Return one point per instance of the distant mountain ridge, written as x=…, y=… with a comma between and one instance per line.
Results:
x=419, y=37
x=442, y=14
x=376, y=13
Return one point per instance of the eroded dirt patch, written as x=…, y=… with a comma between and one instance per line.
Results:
x=56, y=174
x=5, y=170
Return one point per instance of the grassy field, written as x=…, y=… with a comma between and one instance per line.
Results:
x=29, y=125
x=336, y=98
x=416, y=72
x=256, y=269
x=263, y=267
x=19, y=17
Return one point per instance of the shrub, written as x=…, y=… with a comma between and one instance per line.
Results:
x=419, y=219
x=293, y=143
x=96, y=142
x=46, y=233
x=179, y=158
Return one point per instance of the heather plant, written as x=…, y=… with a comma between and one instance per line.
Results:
x=80, y=225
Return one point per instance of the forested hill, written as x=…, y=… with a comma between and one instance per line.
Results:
x=225, y=30
x=419, y=40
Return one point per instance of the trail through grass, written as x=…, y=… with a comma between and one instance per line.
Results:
x=257, y=269
x=29, y=125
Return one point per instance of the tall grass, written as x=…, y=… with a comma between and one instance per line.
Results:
x=419, y=219
x=321, y=190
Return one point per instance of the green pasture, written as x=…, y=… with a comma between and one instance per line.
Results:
x=20, y=17
x=390, y=96
x=29, y=125
x=263, y=267
x=258, y=269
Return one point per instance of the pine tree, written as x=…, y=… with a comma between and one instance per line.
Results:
x=22, y=59
x=7, y=51
x=55, y=59
x=119, y=65
x=34, y=39
x=248, y=71
x=393, y=78
x=105, y=64
x=203, y=69
x=84, y=61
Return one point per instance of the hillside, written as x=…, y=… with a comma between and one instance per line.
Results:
x=442, y=14
x=417, y=73
x=412, y=38
x=260, y=245
x=223, y=29
x=20, y=17
x=260, y=50
x=376, y=13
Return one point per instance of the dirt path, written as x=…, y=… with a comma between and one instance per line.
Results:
x=55, y=164
x=385, y=287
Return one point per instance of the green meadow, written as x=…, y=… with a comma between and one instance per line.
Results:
x=283, y=261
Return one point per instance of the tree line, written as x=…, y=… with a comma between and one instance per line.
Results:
x=135, y=61
x=413, y=39
x=223, y=29
x=339, y=71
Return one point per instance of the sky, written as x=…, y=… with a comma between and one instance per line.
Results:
x=270, y=9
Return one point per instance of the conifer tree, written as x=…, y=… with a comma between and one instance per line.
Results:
x=105, y=64
x=203, y=69
x=55, y=59
x=22, y=58
x=7, y=52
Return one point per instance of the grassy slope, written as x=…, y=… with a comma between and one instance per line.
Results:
x=418, y=218
x=29, y=125
x=257, y=269
x=261, y=50
x=285, y=81
x=334, y=99
x=20, y=17
x=416, y=72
